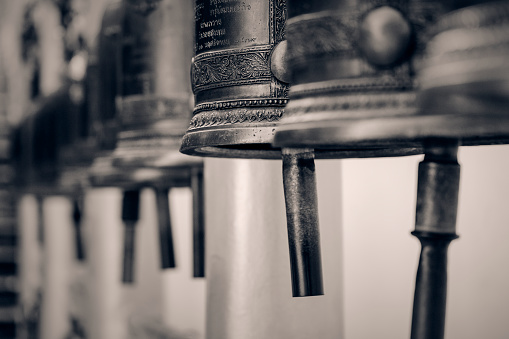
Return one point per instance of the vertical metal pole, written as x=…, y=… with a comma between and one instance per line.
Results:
x=40, y=220
x=437, y=203
x=77, y=216
x=165, y=231
x=130, y=215
x=198, y=222
x=302, y=219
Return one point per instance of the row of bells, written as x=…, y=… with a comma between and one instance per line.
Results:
x=369, y=78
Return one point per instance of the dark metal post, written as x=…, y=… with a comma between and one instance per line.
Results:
x=437, y=203
x=40, y=223
x=302, y=218
x=165, y=232
x=76, y=215
x=198, y=222
x=130, y=215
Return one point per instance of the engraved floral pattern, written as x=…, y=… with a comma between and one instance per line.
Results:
x=275, y=102
x=324, y=35
x=230, y=69
x=280, y=20
x=218, y=118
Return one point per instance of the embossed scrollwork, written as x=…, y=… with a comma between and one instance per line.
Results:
x=220, y=70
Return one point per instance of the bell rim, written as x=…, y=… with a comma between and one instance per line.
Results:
x=401, y=132
x=251, y=142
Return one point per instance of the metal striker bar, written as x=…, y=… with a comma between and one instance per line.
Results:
x=130, y=216
x=302, y=222
x=437, y=203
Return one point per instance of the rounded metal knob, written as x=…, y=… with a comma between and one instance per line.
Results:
x=278, y=62
x=384, y=36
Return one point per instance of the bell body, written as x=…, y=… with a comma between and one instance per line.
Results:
x=239, y=78
x=360, y=67
x=460, y=62
x=155, y=95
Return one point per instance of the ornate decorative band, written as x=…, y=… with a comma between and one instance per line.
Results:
x=141, y=109
x=277, y=26
x=231, y=67
x=321, y=34
x=334, y=34
x=235, y=116
x=264, y=102
x=351, y=106
x=374, y=83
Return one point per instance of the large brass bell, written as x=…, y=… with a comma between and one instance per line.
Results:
x=239, y=78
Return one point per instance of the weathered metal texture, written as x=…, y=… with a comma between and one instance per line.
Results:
x=437, y=190
x=359, y=67
x=435, y=227
x=239, y=78
x=428, y=319
x=302, y=218
x=154, y=95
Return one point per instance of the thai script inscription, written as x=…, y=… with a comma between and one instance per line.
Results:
x=227, y=23
x=230, y=9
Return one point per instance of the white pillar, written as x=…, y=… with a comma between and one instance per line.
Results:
x=121, y=311
x=141, y=301
x=248, y=269
x=183, y=295
x=381, y=256
x=57, y=263
x=104, y=237
x=29, y=261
